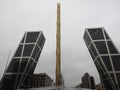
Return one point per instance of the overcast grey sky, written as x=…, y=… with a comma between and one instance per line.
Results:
x=18, y=16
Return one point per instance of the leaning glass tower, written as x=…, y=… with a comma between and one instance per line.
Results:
x=23, y=62
x=105, y=56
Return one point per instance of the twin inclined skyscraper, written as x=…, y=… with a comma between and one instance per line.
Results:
x=105, y=56
x=23, y=62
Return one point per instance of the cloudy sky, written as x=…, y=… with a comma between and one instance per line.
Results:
x=18, y=16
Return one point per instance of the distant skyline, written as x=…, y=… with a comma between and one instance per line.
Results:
x=18, y=16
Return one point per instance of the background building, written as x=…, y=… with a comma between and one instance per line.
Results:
x=88, y=81
x=40, y=80
x=105, y=56
x=92, y=82
x=23, y=62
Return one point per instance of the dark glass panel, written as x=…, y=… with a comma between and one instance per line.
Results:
x=101, y=65
x=35, y=53
x=37, y=56
x=32, y=37
x=12, y=77
x=107, y=37
x=29, y=66
x=23, y=39
x=18, y=78
x=91, y=53
x=6, y=85
x=86, y=38
x=98, y=67
x=28, y=49
x=113, y=78
x=14, y=65
x=116, y=62
x=8, y=82
x=107, y=63
x=107, y=84
x=96, y=34
x=118, y=79
x=32, y=68
x=101, y=46
x=41, y=41
x=23, y=64
x=103, y=76
x=26, y=82
x=19, y=51
x=93, y=50
x=112, y=48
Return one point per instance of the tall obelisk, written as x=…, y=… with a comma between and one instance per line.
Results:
x=58, y=48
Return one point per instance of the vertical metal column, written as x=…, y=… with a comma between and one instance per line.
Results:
x=58, y=48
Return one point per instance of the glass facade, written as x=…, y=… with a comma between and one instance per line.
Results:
x=23, y=62
x=105, y=56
